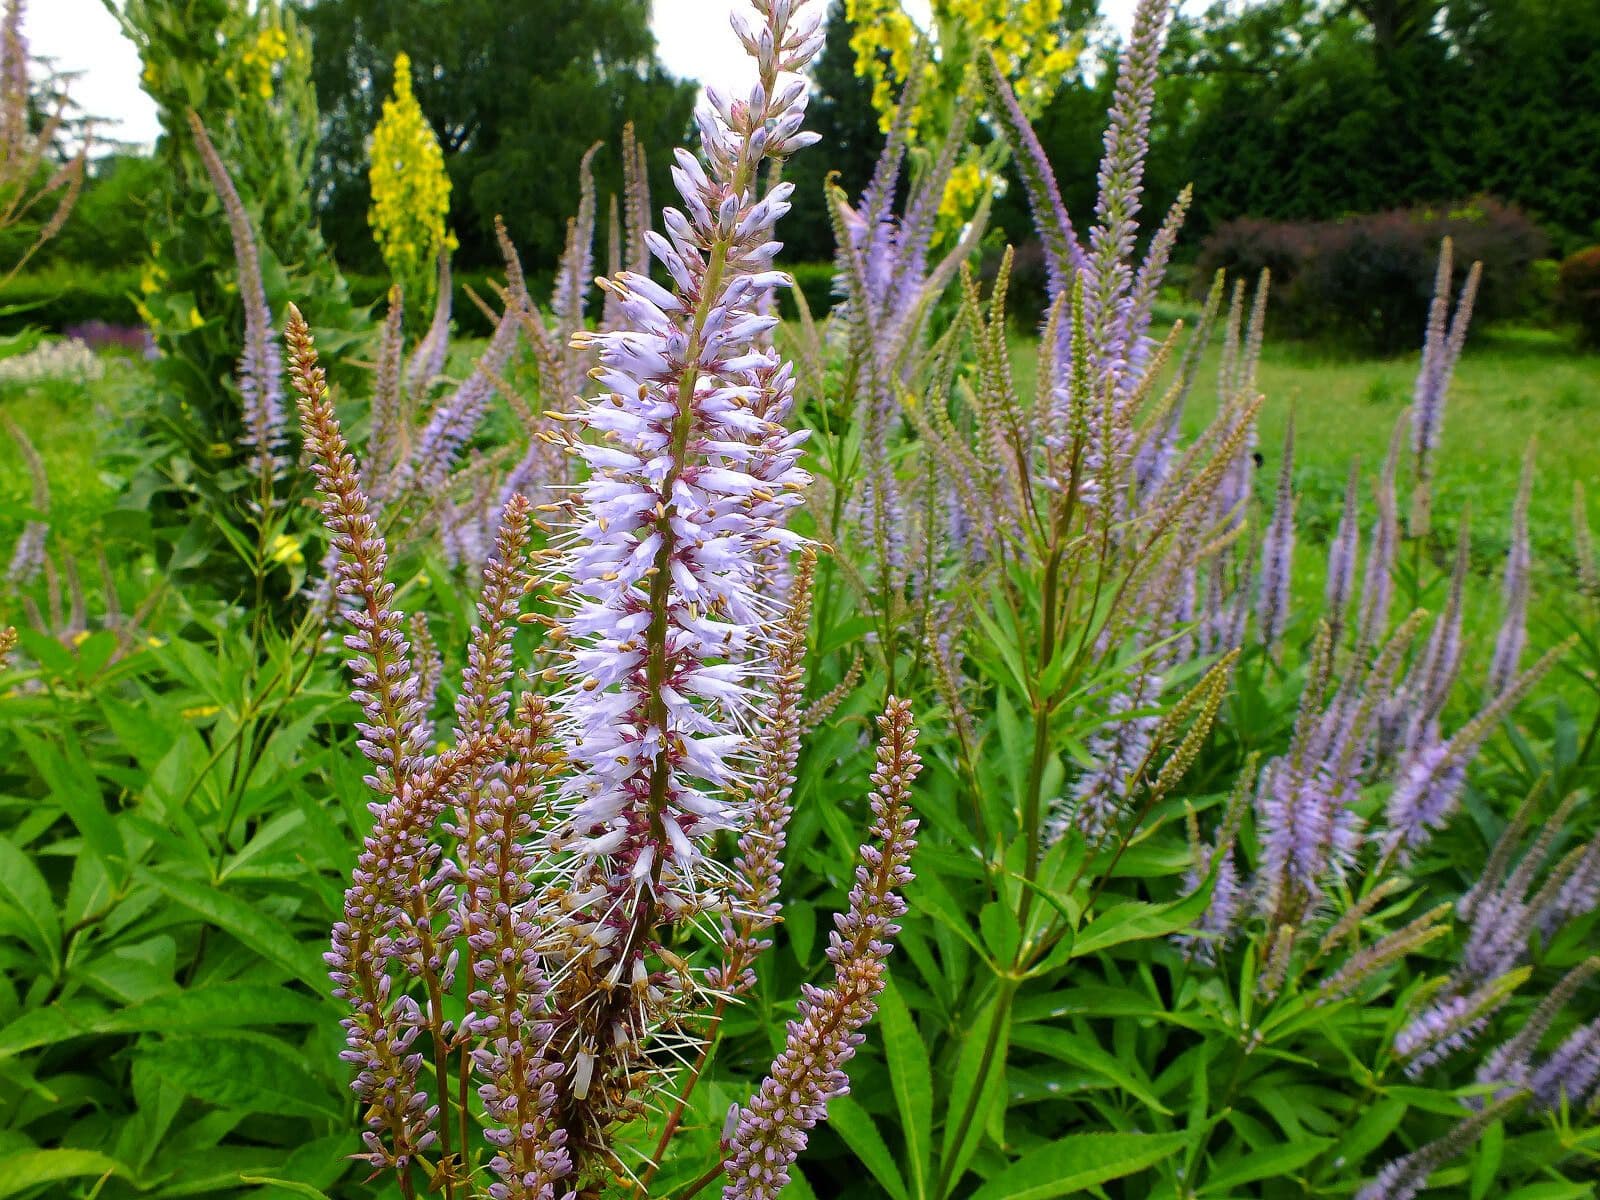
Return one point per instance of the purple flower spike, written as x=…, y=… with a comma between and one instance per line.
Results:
x=1107, y=300
x=768, y=1133
x=1513, y=633
x=1277, y=552
x=691, y=475
x=1441, y=351
x=261, y=365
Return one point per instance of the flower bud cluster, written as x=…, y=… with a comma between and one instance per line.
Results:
x=768, y=1133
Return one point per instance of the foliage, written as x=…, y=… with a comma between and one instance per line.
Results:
x=1462, y=98
x=64, y=294
x=38, y=183
x=245, y=71
x=467, y=290
x=1368, y=278
x=410, y=192
x=1336, y=109
x=105, y=230
x=1029, y=38
x=1578, y=291
x=500, y=85
x=1034, y=44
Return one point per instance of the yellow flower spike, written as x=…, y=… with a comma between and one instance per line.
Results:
x=1027, y=37
x=410, y=190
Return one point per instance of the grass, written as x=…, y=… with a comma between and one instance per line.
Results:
x=1512, y=390
x=69, y=423
x=1512, y=386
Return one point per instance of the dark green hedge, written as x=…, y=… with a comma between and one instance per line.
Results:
x=67, y=294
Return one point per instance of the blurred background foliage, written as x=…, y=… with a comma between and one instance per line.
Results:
x=1283, y=111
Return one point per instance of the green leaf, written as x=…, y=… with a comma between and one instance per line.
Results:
x=48, y=1025
x=928, y=894
x=219, y=1006
x=260, y=933
x=800, y=919
x=1077, y=1162
x=798, y=1187
x=911, y=1077
x=1139, y=921
x=1486, y=1161
x=1000, y=933
x=1276, y=1163
x=978, y=1085
x=73, y=786
x=253, y=1073
x=33, y=1167
x=1371, y=1131
x=1553, y=1190
x=1005, y=646
x=293, y=1187
x=25, y=890
x=856, y=1129
x=1081, y=1052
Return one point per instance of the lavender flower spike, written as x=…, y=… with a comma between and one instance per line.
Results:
x=1107, y=294
x=379, y=921
x=1342, y=554
x=662, y=564
x=1405, y=1177
x=1063, y=256
x=28, y=558
x=1277, y=552
x=769, y=1132
x=1513, y=633
x=1430, y=779
x=1571, y=1071
x=261, y=364
x=1441, y=350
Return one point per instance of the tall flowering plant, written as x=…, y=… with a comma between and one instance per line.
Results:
x=410, y=190
x=552, y=874
x=926, y=77
x=1103, y=608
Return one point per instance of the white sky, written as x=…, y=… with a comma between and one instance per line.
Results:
x=80, y=35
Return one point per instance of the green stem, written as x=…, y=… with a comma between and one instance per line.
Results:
x=1033, y=801
x=1002, y=1015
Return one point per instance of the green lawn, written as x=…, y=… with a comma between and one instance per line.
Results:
x=70, y=424
x=1510, y=389
x=1511, y=386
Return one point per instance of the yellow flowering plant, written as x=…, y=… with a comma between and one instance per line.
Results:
x=410, y=192
x=1029, y=39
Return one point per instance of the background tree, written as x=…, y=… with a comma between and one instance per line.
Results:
x=841, y=111
x=515, y=94
x=1309, y=110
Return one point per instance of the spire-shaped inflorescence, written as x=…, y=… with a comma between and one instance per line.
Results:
x=260, y=376
x=1277, y=553
x=692, y=473
x=1513, y=632
x=768, y=1133
x=1441, y=350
